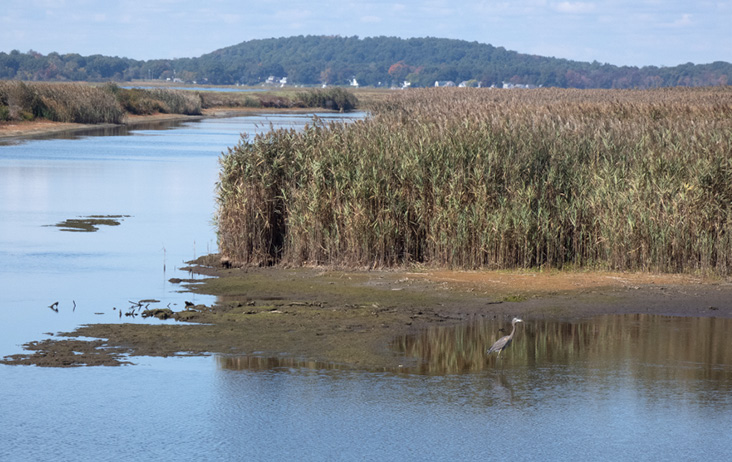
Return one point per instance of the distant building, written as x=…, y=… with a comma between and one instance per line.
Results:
x=510, y=85
x=273, y=80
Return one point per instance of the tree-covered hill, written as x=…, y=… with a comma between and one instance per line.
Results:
x=373, y=61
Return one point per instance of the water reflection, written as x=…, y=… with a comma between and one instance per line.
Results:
x=100, y=130
x=263, y=363
x=654, y=347
x=674, y=347
x=657, y=360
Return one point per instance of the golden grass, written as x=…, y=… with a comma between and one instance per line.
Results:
x=469, y=178
x=59, y=102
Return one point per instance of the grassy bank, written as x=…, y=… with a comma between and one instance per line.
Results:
x=469, y=178
x=77, y=103
x=333, y=98
x=109, y=103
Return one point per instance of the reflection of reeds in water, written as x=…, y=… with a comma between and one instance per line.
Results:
x=685, y=348
x=690, y=353
x=262, y=363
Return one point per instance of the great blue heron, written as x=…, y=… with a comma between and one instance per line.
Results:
x=504, y=341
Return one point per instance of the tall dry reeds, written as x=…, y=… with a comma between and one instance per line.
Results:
x=333, y=98
x=89, y=104
x=60, y=102
x=145, y=101
x=627, y=180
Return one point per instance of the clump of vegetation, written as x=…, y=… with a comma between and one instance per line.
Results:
x=469, y=178
x=334, y=98
x=89, y=104
x=91, y=223
x=60, y=102
x=211, y=99
x=150, y=101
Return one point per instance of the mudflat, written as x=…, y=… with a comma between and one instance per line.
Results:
x=350, y=318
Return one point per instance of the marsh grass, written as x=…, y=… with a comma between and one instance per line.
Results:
x=470, y=178
x=211, y=99
x=334, y=98
x=60, y=102
x=89, y=104
x=145, y=101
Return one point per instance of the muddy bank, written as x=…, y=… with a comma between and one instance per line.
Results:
x=349, y=318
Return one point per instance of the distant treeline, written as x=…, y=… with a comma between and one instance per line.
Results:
x=377, y=61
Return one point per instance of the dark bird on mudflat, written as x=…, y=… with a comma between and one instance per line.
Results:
x=503, y=342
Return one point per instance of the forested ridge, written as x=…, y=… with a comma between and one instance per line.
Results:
x=372, y=61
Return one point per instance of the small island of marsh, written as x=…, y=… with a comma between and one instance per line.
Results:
x=89, y=224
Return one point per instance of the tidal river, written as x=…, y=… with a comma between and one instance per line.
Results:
x=608, y=388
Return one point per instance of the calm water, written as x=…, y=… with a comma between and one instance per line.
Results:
x=608, y=388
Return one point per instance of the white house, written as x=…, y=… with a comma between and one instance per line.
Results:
x=518, y=85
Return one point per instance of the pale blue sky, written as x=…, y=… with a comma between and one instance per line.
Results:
x=622, y=32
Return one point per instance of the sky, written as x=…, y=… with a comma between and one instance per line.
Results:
x=620, y=32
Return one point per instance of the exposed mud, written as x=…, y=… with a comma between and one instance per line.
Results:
x=349, y=318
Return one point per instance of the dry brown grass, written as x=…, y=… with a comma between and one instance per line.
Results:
x=59, y=102
x=468, y=178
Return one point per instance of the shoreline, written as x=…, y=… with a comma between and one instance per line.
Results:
x=350, y=319
x=15, y=131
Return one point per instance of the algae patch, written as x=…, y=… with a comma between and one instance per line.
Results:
x=89, y=224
